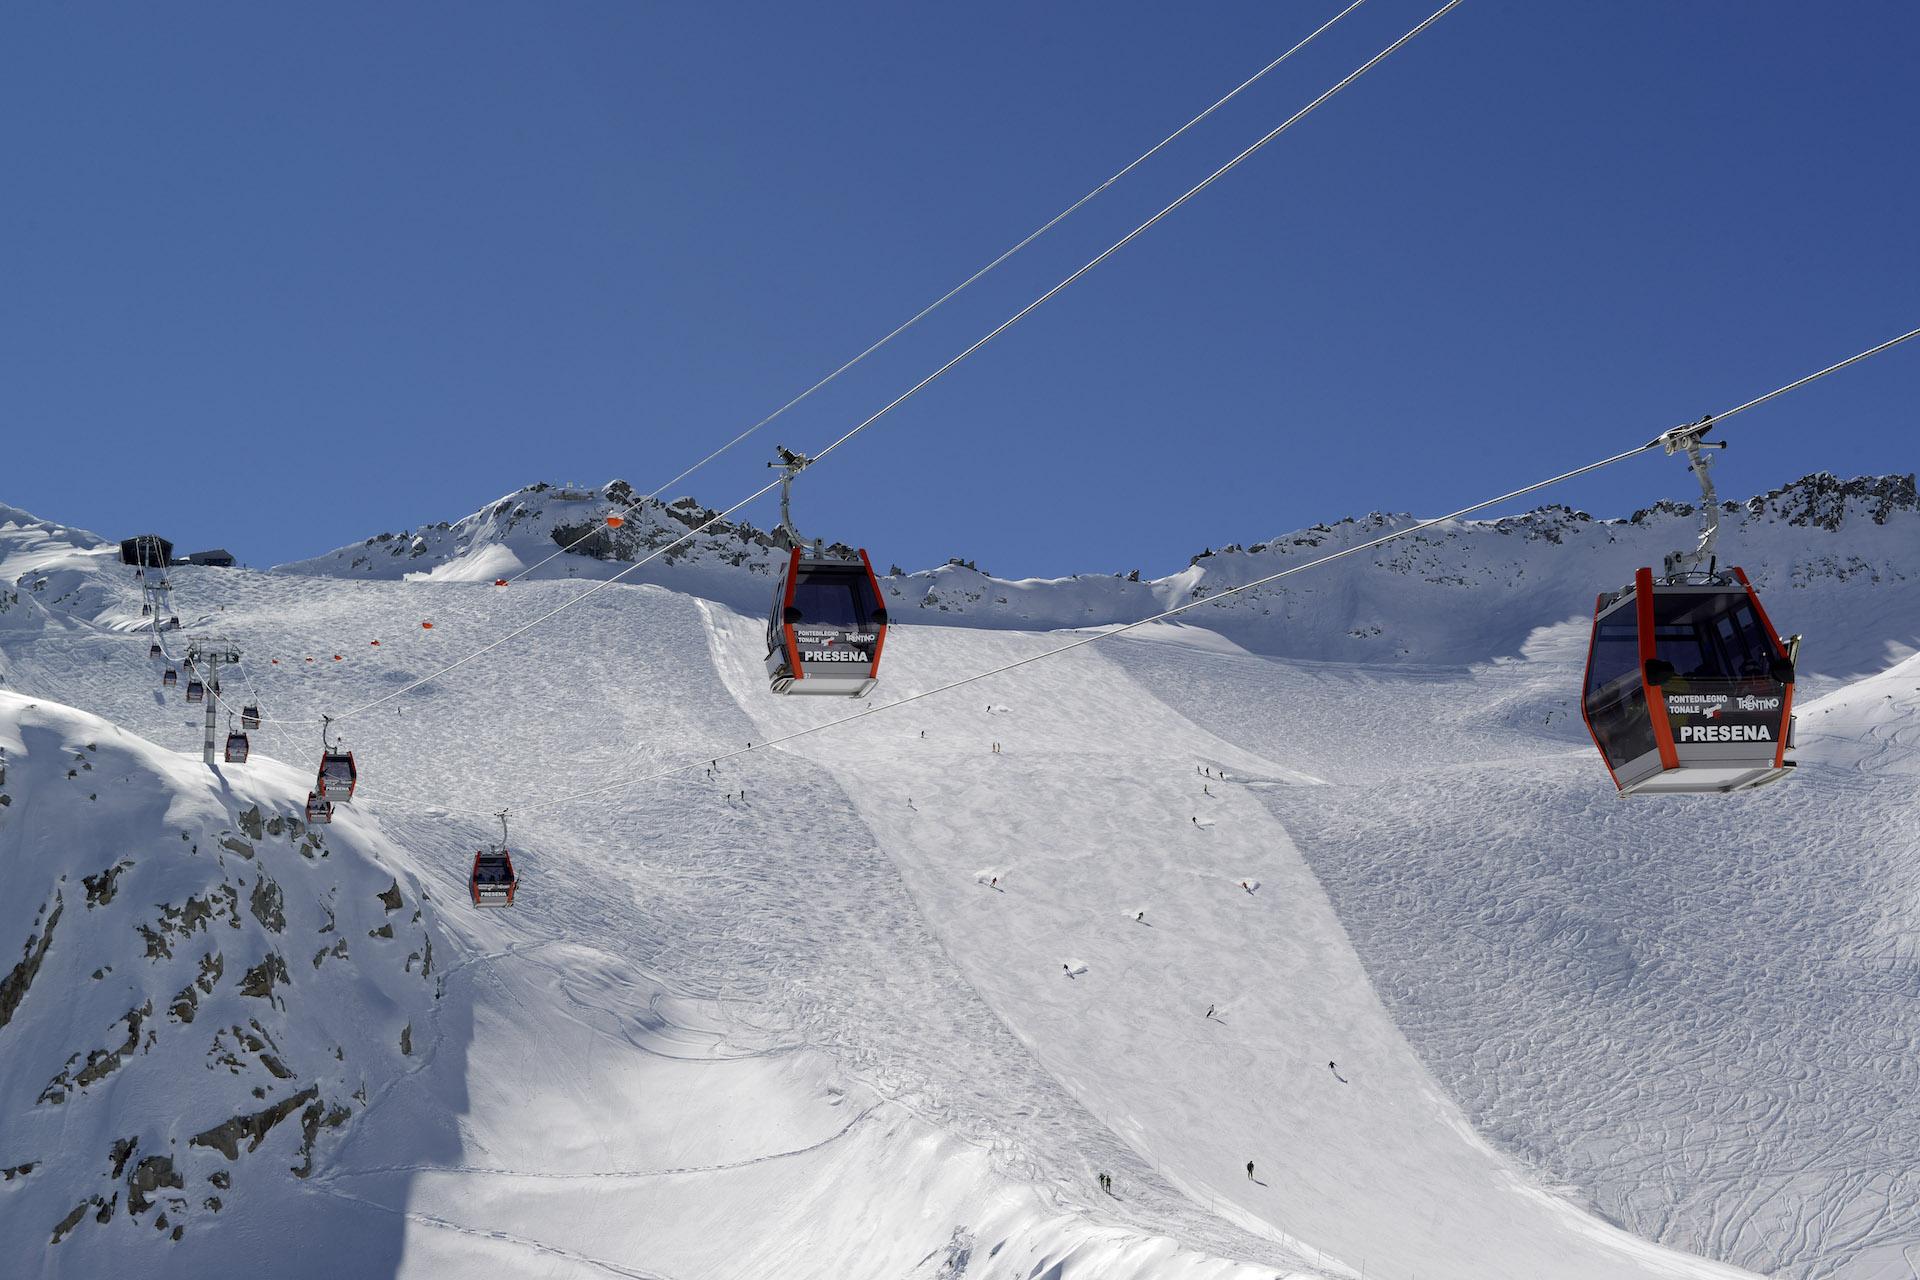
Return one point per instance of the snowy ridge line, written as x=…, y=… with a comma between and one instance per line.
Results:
x=965, y=352
x=954, y=292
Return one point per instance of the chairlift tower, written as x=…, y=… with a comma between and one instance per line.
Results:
x=206, y=655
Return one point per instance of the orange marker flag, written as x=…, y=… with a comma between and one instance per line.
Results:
x=614, y=522
x=426, y=626
x=374, y=643
x=336, y=657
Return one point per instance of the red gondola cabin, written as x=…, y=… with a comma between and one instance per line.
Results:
x=826, y=628
x=492, y=881
x=338, y=776
x=1688, y=686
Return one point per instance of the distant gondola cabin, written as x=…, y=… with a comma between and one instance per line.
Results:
x=338, y=776
x=492, y=881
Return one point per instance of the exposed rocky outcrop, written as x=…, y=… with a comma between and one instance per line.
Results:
x=252, y=1129
x=14, y=987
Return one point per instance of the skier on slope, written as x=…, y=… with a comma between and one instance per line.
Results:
x=1249, y=1171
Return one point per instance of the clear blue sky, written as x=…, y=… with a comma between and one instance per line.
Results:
x=278, y=277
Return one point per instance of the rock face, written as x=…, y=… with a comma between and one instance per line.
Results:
x=156, y=1040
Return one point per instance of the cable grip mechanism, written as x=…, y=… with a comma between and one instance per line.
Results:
x=790, y=465
x=1691, y=440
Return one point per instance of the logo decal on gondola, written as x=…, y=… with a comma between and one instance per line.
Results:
x=1751, y=703
x=833, y=655
x=1726, y=733
x=1697, y=704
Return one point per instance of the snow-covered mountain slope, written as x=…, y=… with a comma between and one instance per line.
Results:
x=1107, y=879
x=1563, y=1025
x=208, y=994
x=1701, y=1013
x=711, y=1035
x=50, y=571
x=1461, y=592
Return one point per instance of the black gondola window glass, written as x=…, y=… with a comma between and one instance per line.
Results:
x=1711, y=637
x=1616, y=699
x=1616, y=650
x=836, y=598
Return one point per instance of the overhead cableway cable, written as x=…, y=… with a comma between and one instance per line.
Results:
x=971, y=280
x=1319, y=101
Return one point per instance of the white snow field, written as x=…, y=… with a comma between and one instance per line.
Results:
x=878, y=1004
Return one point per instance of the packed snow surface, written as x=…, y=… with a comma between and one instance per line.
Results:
x=1330, y=882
